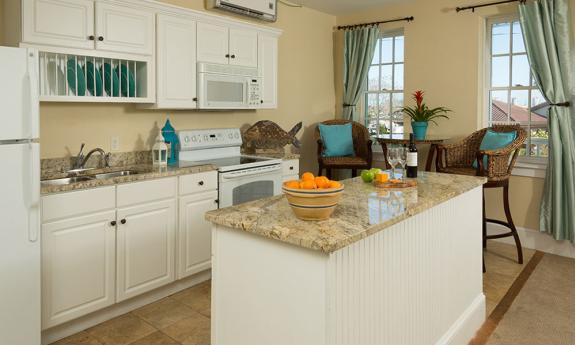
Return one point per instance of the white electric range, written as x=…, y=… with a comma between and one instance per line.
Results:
x=241, y=178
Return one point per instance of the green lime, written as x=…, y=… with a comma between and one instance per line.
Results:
x=367, y=176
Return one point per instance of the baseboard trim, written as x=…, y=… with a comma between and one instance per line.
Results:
x=465, y=327
x=56, y=333
x=535, y=239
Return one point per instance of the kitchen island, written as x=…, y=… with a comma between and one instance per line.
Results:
x=389, y=267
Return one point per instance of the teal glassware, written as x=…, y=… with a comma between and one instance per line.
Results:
x=171, y=138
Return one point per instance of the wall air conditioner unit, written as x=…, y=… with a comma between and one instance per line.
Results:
x=261, y=9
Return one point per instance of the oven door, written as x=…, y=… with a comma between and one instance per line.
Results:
x=218, y=91
x=241, y=186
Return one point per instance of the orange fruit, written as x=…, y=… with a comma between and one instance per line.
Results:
x=307, y=185
x=334, y=184
x=322, y=182
x=381, y=177
x=292, y=184
x=307, y=176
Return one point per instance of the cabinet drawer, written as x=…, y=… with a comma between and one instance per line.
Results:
x=290, y=167
x=146, y=191
x=72, y=204
x=200, y=182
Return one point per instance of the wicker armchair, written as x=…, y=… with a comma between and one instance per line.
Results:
x=361, y=145
x=458, y=159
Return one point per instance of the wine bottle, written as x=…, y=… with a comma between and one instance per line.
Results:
x=411, y=158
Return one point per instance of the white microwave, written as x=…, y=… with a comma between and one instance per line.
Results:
x=228, y=87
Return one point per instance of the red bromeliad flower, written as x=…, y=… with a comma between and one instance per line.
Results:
x=418, y=96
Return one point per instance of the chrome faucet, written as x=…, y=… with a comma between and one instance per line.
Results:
x=81, y=159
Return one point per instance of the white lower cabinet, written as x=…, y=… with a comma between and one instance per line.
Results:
x=105, y=245
x=78, y=266
x=290, y=169
x=194, y=237
x=145, y=247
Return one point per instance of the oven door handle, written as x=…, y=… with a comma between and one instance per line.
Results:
x=251, y=172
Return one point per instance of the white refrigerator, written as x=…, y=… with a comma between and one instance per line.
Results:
x=19, y=198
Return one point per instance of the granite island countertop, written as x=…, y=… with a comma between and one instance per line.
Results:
x=144, y=172
x=362, y=211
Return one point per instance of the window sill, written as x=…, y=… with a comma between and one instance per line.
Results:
x=527, y=169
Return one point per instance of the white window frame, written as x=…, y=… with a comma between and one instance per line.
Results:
x=386, y=34
x=525, y=166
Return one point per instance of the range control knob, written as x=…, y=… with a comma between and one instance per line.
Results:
x=186, y=139
x=236, y=135
x=194, y=139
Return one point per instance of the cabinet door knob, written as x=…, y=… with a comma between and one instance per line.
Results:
x=290, y=168
x=100, y=38
x=195, y=99
x=91, y=37
x=123, y=221
x=113, y=223
x=201, y=183
x=228, y=56
x=217, y=201
x=261, y=101
x=233, y=56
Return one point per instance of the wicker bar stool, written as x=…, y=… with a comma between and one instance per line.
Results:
x=458, y=159
x=361, y=146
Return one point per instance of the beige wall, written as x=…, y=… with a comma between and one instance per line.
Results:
x=443, y=56
x=306, y=93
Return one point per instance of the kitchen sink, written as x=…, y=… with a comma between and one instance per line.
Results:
x=66, y=180
x=83, y=178
x=116, y=174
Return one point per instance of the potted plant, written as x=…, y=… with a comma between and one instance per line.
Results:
x=421, y=115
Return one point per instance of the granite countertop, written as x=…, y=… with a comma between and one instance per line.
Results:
x=362, y=211
x=145, y=172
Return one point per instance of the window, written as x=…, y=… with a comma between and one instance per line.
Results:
x=513, y=96
x=384, y=93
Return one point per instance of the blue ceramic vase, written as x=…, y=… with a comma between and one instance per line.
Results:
x=171, y=138
x=419, y=129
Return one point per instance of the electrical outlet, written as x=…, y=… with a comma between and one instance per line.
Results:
x=115, y=144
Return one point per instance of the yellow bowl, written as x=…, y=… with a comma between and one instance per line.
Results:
x=313, y=204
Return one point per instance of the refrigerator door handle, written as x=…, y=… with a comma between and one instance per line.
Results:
x=33, y=110
x=32, y=195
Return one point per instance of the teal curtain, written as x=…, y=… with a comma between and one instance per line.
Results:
x=547, y=34
x=359, y=47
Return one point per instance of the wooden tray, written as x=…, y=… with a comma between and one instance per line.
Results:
x=396, y=185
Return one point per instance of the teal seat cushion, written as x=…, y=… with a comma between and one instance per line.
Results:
x=337, y=140
x=493, y=141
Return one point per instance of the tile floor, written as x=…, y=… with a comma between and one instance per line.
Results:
x=184, y=318
x=502, y=270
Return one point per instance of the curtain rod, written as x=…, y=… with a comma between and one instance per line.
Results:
x=344, y=27
x=473, y=7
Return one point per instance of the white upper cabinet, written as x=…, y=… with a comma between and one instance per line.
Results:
x=243, y=47
x=268, y=70
x=212, y=44
x=124, y=29
x=176, y=62
x=66, y=23
x=223, y=45
x=88, y=25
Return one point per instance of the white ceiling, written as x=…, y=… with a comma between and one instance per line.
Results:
x=340, y=7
